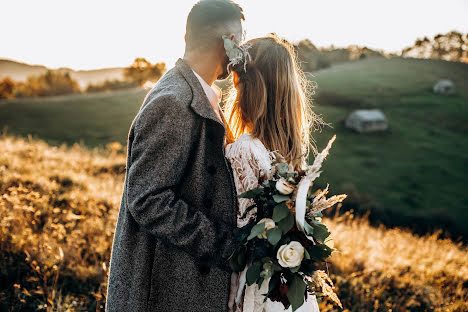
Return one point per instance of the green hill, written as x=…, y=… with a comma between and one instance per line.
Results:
x=94, y=118
x=415, y=173
x=412, y=175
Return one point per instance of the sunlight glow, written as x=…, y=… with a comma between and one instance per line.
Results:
x=94, y=34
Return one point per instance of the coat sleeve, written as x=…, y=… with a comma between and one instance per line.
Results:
x=163, y=133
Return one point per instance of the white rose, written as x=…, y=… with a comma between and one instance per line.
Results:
x=290, y=255
x=284, y=187
x=269, y=224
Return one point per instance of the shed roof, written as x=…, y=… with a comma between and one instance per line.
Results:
x=368, y=114
x=444, y=82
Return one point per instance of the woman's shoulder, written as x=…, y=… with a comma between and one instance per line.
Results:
x=244, y=145
x=249, y=147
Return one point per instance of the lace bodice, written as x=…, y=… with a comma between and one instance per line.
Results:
x=251, y=164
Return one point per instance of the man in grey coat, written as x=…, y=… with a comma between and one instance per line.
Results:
x=174, y=232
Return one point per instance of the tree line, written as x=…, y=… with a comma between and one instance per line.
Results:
x=54, y=82
x=452, y=46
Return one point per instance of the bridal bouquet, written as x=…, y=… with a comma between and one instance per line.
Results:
x=287, y=243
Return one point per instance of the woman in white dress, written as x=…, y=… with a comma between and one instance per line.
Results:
x=268, y=112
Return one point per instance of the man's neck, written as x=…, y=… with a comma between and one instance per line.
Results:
x=205, y=66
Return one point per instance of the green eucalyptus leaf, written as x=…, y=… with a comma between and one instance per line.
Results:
x=279, y=212
x=274, y=235
x=247, y=210
x=306, y=254
x=286, y=223
x=319, y=252
x=251, y=193
x=274, y=282
x=257, y=229
x=280, y=198
x=296, y=289
x=320, y=232
x=253, y=272
x=282, y=168
x=308, y=228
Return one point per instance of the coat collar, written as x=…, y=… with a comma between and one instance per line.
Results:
x=200, y=103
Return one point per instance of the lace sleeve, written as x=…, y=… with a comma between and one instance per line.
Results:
x=250, y=162
x=247, y=174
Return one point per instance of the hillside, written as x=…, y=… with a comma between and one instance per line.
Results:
x=413, y=175
x=58, y=211
x=94, y=118
x=20, y=71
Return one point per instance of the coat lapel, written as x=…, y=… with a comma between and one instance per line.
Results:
x=200, y=103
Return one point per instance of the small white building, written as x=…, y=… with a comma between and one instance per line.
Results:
x=444, y=86
x=367, y=120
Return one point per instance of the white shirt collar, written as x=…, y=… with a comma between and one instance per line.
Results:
x=213, y=93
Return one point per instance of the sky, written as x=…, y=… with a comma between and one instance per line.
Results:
x=90, y=34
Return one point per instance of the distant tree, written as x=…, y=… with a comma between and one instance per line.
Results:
x=310, y=58
x=7, y=87
x=50, y=83
x=358, y=52
x=456, y=46
x=336, y=55
x=57, y=83
x=142, y=71
x=452, y=46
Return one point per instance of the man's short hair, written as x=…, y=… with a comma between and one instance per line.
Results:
x=207, y=21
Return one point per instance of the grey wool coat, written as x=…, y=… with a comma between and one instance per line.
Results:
x=174, y=231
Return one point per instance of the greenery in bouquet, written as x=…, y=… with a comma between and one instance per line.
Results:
x=286, y=243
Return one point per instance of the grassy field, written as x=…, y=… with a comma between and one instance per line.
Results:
x=95, y=118
x=57, y=217
x=413, y=175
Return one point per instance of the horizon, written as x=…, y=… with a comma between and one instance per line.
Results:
x=76, y=36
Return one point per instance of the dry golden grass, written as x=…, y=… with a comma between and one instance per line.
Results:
x=58, y=208
x=379, y=269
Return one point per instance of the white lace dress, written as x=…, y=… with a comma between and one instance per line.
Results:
x=251, y=162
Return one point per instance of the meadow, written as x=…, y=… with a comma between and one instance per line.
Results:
x=58, y=210
x=412, y=176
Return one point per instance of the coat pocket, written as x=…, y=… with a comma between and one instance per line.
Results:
x=152, y=290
